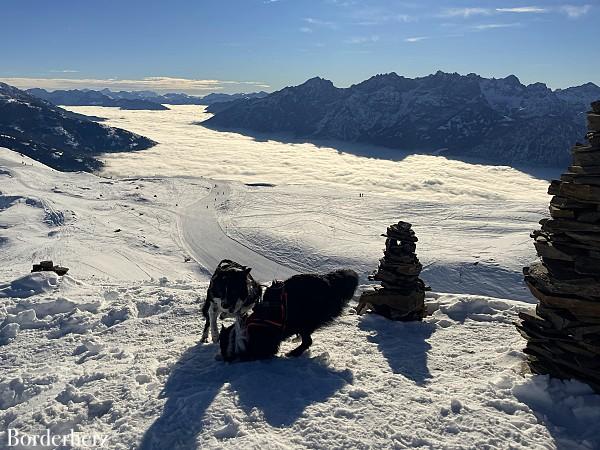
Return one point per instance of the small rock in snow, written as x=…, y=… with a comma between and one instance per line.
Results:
x=230, y=430
x=99, y=408
x=143, y=378
x=455, y=406
x=8, y=333
x=111, y=296
x=358, y=393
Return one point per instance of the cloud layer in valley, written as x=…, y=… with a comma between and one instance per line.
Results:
x=196, y=150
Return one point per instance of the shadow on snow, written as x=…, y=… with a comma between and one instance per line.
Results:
x=280, y=388
x=403, y=344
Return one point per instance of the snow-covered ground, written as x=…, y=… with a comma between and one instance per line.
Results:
x=112, y=348
x=473, y=221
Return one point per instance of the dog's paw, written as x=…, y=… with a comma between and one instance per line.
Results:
x=218, y=357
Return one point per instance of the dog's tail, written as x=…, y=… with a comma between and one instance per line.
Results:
x=344, y=282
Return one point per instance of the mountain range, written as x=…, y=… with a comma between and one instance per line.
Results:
x=87, y=97
x=133, y=99
x=213, y=98
x=501, y=121
x=58, y=138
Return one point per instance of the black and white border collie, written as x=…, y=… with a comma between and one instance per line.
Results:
x=299, y=305
x=232, y=292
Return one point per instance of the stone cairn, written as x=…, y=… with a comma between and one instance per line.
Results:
x=48, y=266
x=401, y=295
x=563, y=335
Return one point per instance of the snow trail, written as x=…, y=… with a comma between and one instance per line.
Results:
x=202, y=235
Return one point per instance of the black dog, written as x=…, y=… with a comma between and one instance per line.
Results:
x=232, y=292
x=299, y=305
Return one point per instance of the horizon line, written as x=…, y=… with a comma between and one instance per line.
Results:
x=202, y=87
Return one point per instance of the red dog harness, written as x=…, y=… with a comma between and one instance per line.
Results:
x=271, y=313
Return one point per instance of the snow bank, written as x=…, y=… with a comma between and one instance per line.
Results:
x=26, y=308
x=51, y=306
x=17, y=390
x=484, y=309
x=570, y=409
x=30, y=284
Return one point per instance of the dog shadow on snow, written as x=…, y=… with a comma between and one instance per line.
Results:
x=403, y=344
x=280, y=388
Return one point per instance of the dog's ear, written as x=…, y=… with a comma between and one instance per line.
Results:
x=247, y=270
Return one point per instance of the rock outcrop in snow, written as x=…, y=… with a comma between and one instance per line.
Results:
x=56, y=137
x=564, y=334
x=497, y=120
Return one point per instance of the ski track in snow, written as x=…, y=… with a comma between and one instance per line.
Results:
x=204, y=238
x=112, y=347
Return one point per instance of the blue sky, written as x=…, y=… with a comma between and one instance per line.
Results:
x=202, y=46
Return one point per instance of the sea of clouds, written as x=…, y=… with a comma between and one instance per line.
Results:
x=188, y=148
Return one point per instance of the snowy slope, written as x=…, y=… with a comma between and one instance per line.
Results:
x=203, y=237
x=476, y=247
x=313, y=219
x=112, y=347
x=57, y=137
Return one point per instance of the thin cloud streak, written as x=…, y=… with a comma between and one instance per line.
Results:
x=492, y=26
x=158, y=84
x=572, y=11
x=575, y=11
x=64, y=71
x=320, y=23
x=378, y=16
x=465, y=12
x=523, y=9
x=416, y=39
x=362, y=39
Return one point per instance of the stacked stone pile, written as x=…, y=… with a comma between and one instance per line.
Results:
x=563, y=336
x=401, y=295
x=48, y=266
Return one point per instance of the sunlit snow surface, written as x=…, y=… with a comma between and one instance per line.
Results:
x=473, y=221
x=112, y=347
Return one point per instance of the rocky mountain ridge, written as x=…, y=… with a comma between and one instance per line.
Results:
x=501, y=121
x=86, y=97
x=149, y=100
x=58, y=138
